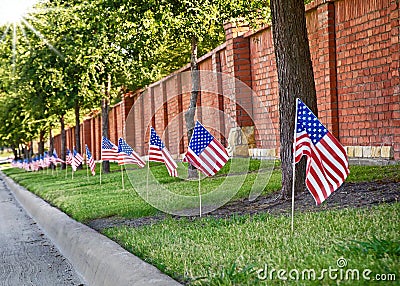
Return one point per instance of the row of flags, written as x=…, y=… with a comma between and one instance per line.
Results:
x=327, y=163
x=204, y=152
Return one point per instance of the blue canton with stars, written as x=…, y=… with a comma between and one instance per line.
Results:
x=88, y=154
x=155, y=139
x=307, y=121
x=200, y=139
x=106, y=144
x=124, y=147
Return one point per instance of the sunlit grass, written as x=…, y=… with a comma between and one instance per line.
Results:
x=84, y=198
x=230, y=251
x=211, y=251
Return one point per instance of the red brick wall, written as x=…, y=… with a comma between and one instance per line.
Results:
x=354, y=46
x=368, y=72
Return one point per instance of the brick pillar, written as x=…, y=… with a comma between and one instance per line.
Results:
x=181, y=136
x=86, y=138
x=216, y=67
x=238, y=64
x=326, y=79
x=395, y=74
x=93, y=136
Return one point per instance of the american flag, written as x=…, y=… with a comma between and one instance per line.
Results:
x=159, y=153
x=109, y=152
x=90, y=161
x=46, y=159
x=68, y=157
x=42, y=163
x=77, y=159
x=34, y=164
x=126, y=155
x=55, y=159
x=205, y=152
x=327, y=164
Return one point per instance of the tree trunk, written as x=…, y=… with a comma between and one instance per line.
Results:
x=42, y=133
x=30, y=150
x=51, y=147
x=77, y=129
x=26, y=153
x=190, y=113
x=105, y=106
x=63, y=142
x=14, y=150
x=295, y=80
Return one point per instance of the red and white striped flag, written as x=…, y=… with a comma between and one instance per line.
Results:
x=90, y=161
x=327, y=164
x=68, y=157
x=77, y=159
x=126, y=155
x=159, y=153
x=109, y=152
x=205, y=152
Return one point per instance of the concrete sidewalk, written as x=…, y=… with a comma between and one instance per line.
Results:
x=99, y=260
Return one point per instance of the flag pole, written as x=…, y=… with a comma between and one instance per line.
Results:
x=101, y=167
x=87, y=170
x=66, y=170
x=294, y=164
x=147, y=181
x=122, y=178
x=199, y=194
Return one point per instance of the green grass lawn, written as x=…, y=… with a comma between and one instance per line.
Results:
x=230, y=251
x=83, y=198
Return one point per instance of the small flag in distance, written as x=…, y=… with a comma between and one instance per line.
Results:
x=159, y=153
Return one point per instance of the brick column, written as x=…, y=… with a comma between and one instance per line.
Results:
x=326, y=79
x=238, y=64
x=181, y=121
x=216, y=67
x=395, y=74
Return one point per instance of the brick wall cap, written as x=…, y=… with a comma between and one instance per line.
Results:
x=310, y=6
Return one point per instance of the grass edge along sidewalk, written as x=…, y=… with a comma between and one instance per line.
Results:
x=229, y=265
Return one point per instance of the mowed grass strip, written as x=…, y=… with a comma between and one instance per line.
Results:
x=230, y=251
x=85, y=199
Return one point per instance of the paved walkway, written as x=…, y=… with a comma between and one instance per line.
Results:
x=27, y=256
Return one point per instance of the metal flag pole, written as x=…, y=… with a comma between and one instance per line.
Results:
x=294, y=163
x=122, y=178
x=148, y=168
x=101, y=167
x=147, y=181
x=66, y=170
x=199, y=194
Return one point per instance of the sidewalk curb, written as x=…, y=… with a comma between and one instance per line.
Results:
x=99, y=260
